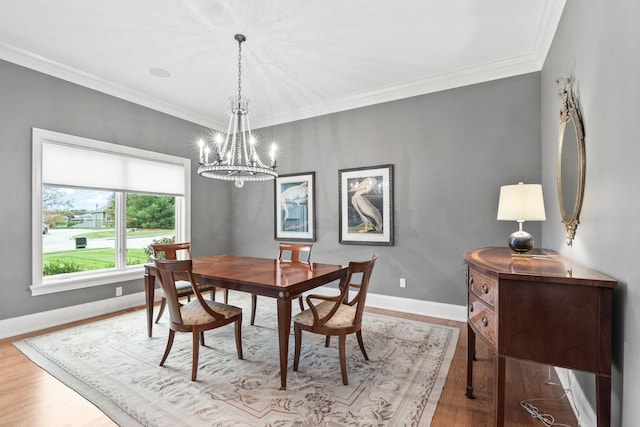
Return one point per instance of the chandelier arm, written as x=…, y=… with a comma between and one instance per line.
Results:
x=253, y=157
x=240, y=142
x=243, y=132
x=226, y=139
x=234, y=140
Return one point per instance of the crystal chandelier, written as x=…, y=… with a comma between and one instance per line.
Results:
x=233, y=156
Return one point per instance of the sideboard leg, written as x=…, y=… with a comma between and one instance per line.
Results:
x=603, y=403
x=498, y=390
x=471, y=355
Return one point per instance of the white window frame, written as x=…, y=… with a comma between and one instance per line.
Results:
x=64, y=282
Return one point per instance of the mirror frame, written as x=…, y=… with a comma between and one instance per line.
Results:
x=570, y=114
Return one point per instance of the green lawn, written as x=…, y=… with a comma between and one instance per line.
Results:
x=69, y=261
x=87, y=259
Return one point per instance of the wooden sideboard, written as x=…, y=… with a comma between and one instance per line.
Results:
x=543, y=308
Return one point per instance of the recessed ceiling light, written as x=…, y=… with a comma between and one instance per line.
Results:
x=159, y=72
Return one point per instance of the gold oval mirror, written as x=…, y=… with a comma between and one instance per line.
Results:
x=571, y=162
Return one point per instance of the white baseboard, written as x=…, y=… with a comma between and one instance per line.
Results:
x=408, y=305
x=581, y=407
x=46, y=319
x=421, y=307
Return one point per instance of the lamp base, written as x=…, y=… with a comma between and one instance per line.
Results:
x=520, y=241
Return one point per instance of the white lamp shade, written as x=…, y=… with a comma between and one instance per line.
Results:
x=521, y=202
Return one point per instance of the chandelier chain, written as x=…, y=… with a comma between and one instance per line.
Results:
x=239, y=70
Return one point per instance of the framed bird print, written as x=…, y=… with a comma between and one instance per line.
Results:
x=365, y=200
x=295, y=207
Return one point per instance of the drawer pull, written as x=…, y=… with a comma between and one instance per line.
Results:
x=470, y=281
x=485, y=289
x=470, y=308
x=485, y=322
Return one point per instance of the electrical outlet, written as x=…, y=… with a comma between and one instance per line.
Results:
x=403, y=282
x=119, y=291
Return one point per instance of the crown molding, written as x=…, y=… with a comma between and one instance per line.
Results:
x=532, y=62
x=465, y=77
x=41, y=64
x=551, y=15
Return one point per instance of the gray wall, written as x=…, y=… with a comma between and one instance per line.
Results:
x=30, y=99
x=452, y=151
x=597, y=45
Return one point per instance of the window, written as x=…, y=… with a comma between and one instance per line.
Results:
x=97, y=206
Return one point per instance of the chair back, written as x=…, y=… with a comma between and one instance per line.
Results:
x=295, y=252
x=172, y=251
x=362, y=269
x=171, y=271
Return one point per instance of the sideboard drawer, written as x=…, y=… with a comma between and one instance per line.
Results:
x=483, y=285
x=483, y=318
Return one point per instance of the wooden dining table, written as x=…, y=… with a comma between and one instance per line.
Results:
x=282, y=280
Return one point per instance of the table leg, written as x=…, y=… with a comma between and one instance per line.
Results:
x=471, y=355
x=284, y=326
x=603, y=400
x=149, y=291
x=498, y=390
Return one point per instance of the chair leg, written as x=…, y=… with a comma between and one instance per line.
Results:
x=226, y=296
x=254, y=303
x=342, y=343
x=301, y=301
x=172, y=334
x=238, y=328
x=213, y=294
x=202, y=338
x=361, y=344
x=298, y=339
x=196, y=350
x=163, y=303
x=327, y=341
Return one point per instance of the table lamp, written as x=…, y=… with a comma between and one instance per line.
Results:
x=521, y=202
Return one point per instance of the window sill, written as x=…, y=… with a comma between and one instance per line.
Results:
x=87, y=281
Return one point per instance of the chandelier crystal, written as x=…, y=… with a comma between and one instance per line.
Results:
x=232, y=156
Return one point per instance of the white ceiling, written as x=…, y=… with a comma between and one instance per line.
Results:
x=302, y=58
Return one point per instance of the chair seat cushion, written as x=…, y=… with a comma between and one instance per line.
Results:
x=342, y=318
x=194, y=314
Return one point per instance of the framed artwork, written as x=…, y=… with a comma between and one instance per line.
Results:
x=365, y=198
x=295, y=207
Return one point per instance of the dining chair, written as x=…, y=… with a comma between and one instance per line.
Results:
x=299, y=253
x=173, y=251
x=337, y=315
x=196, y=316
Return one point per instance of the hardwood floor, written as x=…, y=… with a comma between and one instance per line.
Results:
x=525, y=380
x=31, y=397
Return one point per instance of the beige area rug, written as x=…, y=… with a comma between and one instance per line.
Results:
x=113, y=364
